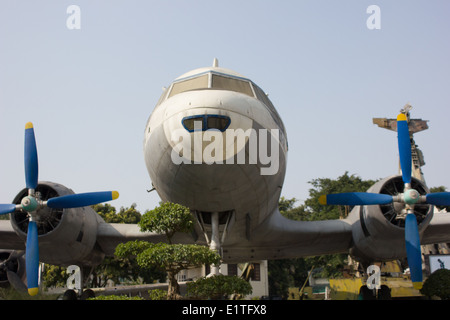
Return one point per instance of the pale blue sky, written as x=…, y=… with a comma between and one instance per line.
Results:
x=89, y=92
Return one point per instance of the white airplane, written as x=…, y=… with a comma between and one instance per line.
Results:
x=216, y=144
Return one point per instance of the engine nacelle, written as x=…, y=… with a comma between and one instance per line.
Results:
x=380, y=234
x=12, y=262
x=66, y=236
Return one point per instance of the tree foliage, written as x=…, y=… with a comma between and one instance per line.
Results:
x=125, y=215
x=286, y=273
x=116, y=297
x=170, y=257
x=55, y=276
x=168, y=219
x=437, y=284
x=321, y=186
x=218, y=287
x=440, y=189
x=124, y=270
x=157, y=294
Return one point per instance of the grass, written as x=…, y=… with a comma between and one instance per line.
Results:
x=12, y=294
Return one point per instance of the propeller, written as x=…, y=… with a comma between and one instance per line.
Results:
x=7, y=267
x=32, y=204
x=409, y=197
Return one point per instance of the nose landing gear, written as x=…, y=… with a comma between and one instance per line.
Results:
x=215, y=224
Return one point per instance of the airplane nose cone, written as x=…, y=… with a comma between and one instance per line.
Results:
x=207, y=136
x=207, y=149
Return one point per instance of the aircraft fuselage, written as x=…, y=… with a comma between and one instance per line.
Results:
x=215, y=143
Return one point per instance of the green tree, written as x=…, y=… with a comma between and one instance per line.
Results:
x=125, y=215
x=124, y=270
x=286, y=273
x=440, y=189
x=172, y=258
x=168, y=219
x=287, y=209
x=437, y=284
x=322, y=186
x=54, y=276
x=218, y=287
x=115, y=297
x=106, y=211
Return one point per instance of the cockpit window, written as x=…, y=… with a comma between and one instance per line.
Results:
x=231, y=84
x=217, y=122
x=189, y=85
x=261, y=96
x=190, y=122
x=218, y=82
x=206, y=122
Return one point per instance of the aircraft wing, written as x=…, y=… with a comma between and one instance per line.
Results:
x=277, y=238
x=438, y=231
x=9, y=238
x=109, y=235
x=282, y=238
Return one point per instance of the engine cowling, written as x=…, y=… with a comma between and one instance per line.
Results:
x=12, y=269
x=380, y=234
x=66, y=236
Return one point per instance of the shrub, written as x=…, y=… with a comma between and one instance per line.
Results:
x=437, y=284
x=114, y=297
x=157, y=294
x=218, y=287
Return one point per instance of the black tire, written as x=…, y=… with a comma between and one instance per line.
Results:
x=70, y=295
x=366, y=294
x=87, y=294
x=384, y=293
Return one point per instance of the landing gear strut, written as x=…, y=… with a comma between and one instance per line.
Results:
x=215, y=224
x=215, y=244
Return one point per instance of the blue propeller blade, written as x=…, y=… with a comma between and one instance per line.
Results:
x=70, y=201
x=356, y=199
x=7, y=208
x=82, y=199
x=439, y=198
x=32, y=258
x=31, y=158
x=413, y=252
x=404, y=147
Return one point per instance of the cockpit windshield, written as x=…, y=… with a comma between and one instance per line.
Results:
x=190, y=85
x=212, y=81
x=231, y=84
